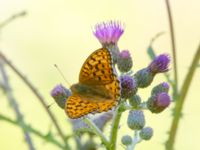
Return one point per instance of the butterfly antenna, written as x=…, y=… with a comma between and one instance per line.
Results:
x=62, y=75
x=48, y=106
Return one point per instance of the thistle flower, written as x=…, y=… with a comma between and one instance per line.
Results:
x=126, y=140
x=157, y=103
x=135, y=101
x=128, y=86
x=162, y=87
x=143, y=78
x=124, y=61
x=60, y=95
x=108, y=32
x=136, y=120
x=146, y=133
x=159, y=64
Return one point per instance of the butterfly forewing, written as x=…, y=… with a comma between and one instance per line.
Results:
x=97, y=68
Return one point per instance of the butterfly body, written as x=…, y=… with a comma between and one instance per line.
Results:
x=98, y=89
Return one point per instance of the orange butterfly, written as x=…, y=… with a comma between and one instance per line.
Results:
x=98, y=89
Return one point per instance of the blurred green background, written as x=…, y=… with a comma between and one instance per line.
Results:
x=60, y=32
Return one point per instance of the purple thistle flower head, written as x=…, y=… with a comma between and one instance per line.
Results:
x=108, y=32
x=160, y=64
x=157, y=103
x=60, y=95
x=128, y=86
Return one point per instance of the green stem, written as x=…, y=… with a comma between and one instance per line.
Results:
x=97, y=131
x=115, y=127
x=173, y=48
x=135, y=141
x=180, y=102
x=39, y=97
x=33, y=131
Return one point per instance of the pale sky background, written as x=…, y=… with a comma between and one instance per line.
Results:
x=60, y=31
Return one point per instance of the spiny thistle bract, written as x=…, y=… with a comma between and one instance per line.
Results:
x=108, y=34
x=135, y=101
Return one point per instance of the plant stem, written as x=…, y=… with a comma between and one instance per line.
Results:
x=115, y=127
x=180, y=102
x=38, y=95
x=33, y=131
x=97, y=131
x=15, y=106
x=173, y=48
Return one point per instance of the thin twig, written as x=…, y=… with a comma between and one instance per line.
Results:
x=15, y=106
x=38, y=95
x=173, y=44
x=33, y=131
x=180, y=102
x=12, y=18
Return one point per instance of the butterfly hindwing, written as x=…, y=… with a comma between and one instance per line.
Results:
x=77, y=107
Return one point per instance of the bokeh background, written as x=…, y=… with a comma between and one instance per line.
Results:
x=60, y=32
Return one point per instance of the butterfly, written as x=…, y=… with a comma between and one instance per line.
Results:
x=98, y=89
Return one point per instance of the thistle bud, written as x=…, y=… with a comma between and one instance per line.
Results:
x=126, y=140
x=60, y=95
x=146, y=133
x=124, y=61
x=136, y=120
x=128, y=86
x=157, y=103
